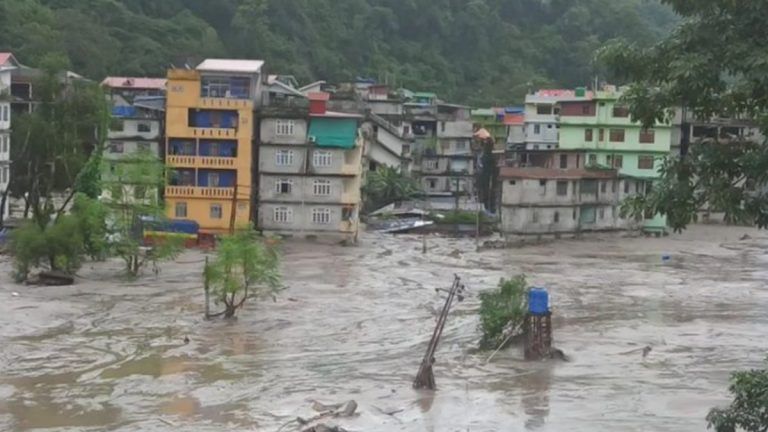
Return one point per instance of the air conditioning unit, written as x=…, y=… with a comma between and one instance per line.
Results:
x=312, y=139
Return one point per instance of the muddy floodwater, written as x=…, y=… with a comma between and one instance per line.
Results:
x=353, y=323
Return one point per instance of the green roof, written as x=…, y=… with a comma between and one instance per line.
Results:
x=484, y=112
x=424, y=95
x=333, y=132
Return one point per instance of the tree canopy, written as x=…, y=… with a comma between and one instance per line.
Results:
x=714, y=65
x=481, y=51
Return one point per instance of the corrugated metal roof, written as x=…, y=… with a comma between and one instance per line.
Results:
x=230, y=65
x=135, y=83
x=554, y=174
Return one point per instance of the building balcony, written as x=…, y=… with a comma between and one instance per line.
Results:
x=225, y=103
x=201, y=161
x=199, y=192
x=213, y=132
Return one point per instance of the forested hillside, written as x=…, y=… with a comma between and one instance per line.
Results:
x=475, y=51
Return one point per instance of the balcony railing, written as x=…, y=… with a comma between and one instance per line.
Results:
x=228, y=103
x=201, y=161
x=199, y=192
x=214, y=132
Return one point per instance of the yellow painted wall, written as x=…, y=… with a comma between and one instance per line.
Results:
x=183, y=94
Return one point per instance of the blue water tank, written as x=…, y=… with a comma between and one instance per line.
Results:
x=538, y=301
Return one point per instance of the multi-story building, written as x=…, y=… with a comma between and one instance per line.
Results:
x=209, y=137
x=310, y=171
x=549, y=200
x=5, y=135
x=689, y=130
x=542, y=111
x=600, y=127
x=138, y=106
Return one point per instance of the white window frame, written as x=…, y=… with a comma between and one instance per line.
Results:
x=220, y=211
x=178, y=206
x=321, y=187
x=322, y=159
x=321, y=216
x=285, y=127
x=282, y=215
x=431, y=164
x=280, y=182
x=114, y=145
x=284, y=157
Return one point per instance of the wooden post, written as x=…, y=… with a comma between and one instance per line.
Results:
x=233, y=213
x=206, y=287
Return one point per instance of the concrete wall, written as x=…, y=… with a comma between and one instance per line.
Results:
x=269, y=132
x=302, y=224
x=544, y=192
x=454, y=129
x=548, y=133
x=454, y=146
x=343, y=190
x=130, y=147
x=131, y=129
x=541, y=220
x=385, y=108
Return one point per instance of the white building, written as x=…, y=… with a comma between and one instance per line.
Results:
x=5, y=134
x=542, y=117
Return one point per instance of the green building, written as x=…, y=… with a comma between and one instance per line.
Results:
x=601, y=128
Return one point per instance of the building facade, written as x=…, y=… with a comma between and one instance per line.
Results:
x=310, y=172
x=210, y=115
x=136, y=131
x=5, y=136
x=601, y=128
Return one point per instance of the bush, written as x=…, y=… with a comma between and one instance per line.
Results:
x=502, y=311
x=60, y=245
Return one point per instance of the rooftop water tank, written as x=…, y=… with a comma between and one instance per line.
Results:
x=581, y=91
x=538, y=301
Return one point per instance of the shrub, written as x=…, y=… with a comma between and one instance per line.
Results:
x=502, y=311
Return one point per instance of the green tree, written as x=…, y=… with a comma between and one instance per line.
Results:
x=714, y=66
x=132, y=200
x=387, y=185
x=748, y=412
x=59, y=245
x=502, y=311
x=246, y=266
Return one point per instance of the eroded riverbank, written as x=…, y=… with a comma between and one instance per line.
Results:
x=353, y=323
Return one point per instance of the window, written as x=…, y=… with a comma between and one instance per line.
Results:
x=139, y=192
x=603, y=187
x=4, y=143
x=322, y=159
x=588, y=135
x=5, y=113
x=557, y=217
x=143, y=146
x=4, y=176
x=284, y=158
x=574, y=214
x=285, y=127
x=513, y=182
x=181, y=210
x=216, y=211
x=617, y=135
x=536, y=129
x=647, y=136
x=283, y=186
x=430, y=164
x=282, y=215
x=116, y=147
x=601, y=135
x=626, y=186
x=432, y=183
x=406, y=130
x=321, y=216
x=563, y=161
x=214, y=180
x=586, y=109
x=620, y=111
x=618, y=161
x=602, y=213
x=578, y=161
x=593, y=159
x=645, y=162
x=609, y=160
x=613, y=186
x=535, y=216
x=348, y=214
x=144, y=127
x=442, y=126
x=321, y=187
x=544, y=109
x=589, y=187
x=461, y=145
x=562, y=188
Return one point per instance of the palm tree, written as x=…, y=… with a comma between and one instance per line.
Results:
x=387, y=185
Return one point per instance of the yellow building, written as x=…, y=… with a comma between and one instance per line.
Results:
x=209, y=136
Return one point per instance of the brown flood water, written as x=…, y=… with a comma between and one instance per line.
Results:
x=107, y=355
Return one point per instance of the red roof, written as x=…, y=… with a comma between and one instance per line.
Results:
x=135, y=83
x=319, y=96
x=514, y=119
x=556, y=174
x=5, y=56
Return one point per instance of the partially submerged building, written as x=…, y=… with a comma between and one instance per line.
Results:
x=310, y=171
x=5, y=131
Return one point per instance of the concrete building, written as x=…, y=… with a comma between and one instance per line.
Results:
x=138, y=108
x=542, y=117
x=554, y=202
x=688, y=130
x=310, y=171
x=601, y=127
x=209, y=136
x=5, y=133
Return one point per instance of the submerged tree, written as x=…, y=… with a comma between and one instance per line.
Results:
x=387, y=185
x=502, y=311
x=246, y=266
x=132, y=201
x=714, y=66
x=749, y=410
